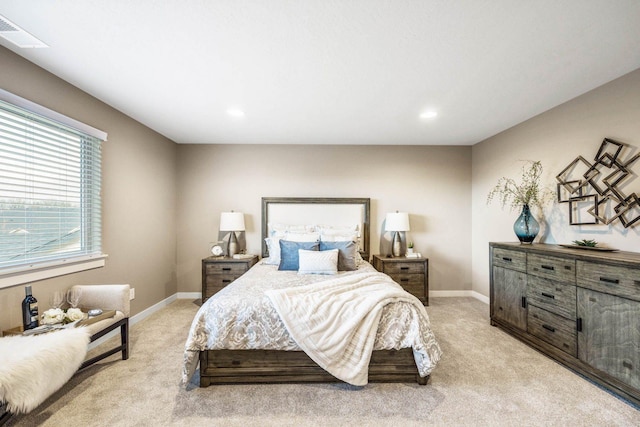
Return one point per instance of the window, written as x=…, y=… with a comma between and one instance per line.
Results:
x=50, y=201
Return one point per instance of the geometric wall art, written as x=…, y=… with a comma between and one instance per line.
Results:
x=594, y=190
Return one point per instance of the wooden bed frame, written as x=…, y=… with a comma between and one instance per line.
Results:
x=273, y=366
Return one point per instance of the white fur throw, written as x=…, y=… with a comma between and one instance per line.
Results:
x=34, y=367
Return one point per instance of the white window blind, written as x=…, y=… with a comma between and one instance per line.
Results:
x=50, y=183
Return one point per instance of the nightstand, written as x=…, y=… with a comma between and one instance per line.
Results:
x=218, y=272
x=410, y=273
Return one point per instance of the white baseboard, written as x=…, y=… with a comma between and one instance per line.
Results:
x=472, y=294
x=189, y=295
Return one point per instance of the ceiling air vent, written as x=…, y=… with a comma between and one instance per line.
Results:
x=18, y=36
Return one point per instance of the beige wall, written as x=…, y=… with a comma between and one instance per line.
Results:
x=139, y=194
x=155, y=190
x=555, y=137
x=432, y=183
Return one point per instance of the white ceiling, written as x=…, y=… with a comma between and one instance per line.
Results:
x=331, y=71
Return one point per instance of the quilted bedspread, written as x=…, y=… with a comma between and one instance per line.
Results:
x=242, y=316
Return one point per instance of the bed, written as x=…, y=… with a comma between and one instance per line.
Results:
x=249, y=332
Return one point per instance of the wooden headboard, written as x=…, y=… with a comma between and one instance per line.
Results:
x=317, y=210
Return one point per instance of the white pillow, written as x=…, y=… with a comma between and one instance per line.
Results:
x=273, y=244
x=318, y=262
x=279, y=230
x=302, y=237
x=339, y=237
x=338, y=229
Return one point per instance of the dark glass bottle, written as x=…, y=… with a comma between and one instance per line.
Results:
x=29, y=310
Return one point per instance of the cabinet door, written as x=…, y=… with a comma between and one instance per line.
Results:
x=509, y=292
x=610, y=336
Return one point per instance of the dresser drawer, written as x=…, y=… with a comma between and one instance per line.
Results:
x=392, y=268
x=554, y=329
x=554, y=296
x=513, y=260
x=551, y=267
x=226, y=268
x=621, y=281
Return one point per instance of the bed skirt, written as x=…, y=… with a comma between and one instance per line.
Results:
x=273, y=366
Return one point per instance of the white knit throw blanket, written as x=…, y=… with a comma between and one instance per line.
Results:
x=34, y=367
x=335, y=321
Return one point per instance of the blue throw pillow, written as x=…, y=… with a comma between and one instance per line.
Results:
x=346, y=254
x=289, y=258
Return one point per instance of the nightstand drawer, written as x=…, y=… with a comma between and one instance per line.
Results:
x=226, y=268
x=410, y=273
x=412, y=283
x=218, y=272
x=554, y=329
x=403, y=268
x=221, y=280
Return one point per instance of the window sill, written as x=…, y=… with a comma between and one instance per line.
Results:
x=58, y=268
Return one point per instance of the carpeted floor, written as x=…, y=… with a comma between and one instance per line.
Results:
x=485, y=378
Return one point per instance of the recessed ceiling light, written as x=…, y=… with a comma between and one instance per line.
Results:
x=430, y=114
x=18, y=36
x=235, y=112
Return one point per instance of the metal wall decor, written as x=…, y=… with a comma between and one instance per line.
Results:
x=594, y=190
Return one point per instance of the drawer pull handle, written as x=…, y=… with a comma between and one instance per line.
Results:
x=549, y=328
x=404, y=280
x=523, y=302
x=627, y=364
x=544, y=294
x=226, y=268
x=504, y=258
x=579, y=324
x=226, y=281
x=404, y=268
x=606, y=280
x=548, y=267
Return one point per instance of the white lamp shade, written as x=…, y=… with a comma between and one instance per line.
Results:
x=397, y=221
x=231, y=221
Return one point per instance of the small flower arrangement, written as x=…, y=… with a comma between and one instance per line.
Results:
x=57, y=315
x=527, y=192
x=410, y=245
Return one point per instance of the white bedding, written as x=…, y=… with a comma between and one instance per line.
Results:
x=242, y=316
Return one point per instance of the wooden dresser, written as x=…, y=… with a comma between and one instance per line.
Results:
x=580, y=307
x=218, y=272
x=410, y=273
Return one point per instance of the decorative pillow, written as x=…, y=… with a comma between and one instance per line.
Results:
x=315, y=262
x=338, y=229
x=293, y=236
x=339, y=237
x=289, y=258
x=273, y=244
x=279, y=230
x=347, y=260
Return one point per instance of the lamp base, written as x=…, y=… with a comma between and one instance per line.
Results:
x=233, y=244
x=397, y=244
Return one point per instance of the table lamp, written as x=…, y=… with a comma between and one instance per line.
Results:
x=232, y=221
x=397, y=222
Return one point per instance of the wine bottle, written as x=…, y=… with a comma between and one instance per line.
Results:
x=29, y=310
